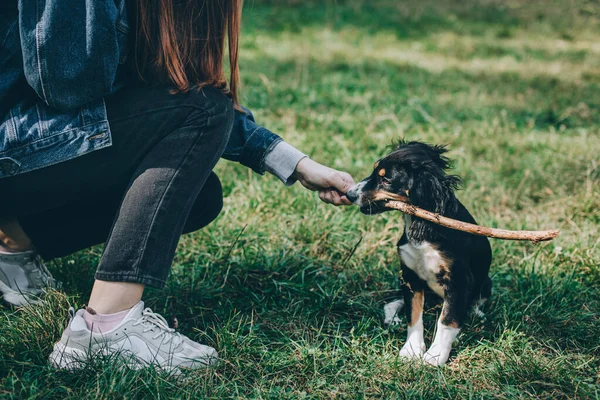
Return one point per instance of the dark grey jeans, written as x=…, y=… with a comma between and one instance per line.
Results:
x=138, y=196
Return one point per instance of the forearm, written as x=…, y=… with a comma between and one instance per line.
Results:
x=260, y=149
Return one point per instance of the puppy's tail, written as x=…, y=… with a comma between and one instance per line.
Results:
x=391, y=311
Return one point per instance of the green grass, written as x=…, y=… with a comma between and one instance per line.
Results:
x=513, y=87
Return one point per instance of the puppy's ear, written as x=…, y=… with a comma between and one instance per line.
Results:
x=435, y=192
x=453, y=182
x=436, y=152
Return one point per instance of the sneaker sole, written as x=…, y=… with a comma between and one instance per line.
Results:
x=63, y=357
x=70, y=359
x=15, y=298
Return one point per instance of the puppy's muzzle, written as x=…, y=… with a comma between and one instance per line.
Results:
x=357, y=195
x=355, y=192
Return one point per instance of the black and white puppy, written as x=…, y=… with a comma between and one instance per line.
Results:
x=453, y=265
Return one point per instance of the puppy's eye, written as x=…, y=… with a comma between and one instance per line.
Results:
x=385, y=179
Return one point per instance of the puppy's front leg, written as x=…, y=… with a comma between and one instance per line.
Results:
x=448, y=328
x=415, y=344
x=414, y=297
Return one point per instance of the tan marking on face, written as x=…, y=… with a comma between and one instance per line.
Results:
x=376, y=165
x=381, y=172
x=416, y=307
x=383, y=195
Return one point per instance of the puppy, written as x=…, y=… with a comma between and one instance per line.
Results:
x=451, y=264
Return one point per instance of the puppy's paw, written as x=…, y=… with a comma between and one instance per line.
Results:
x=477, y=310
x=436, y=356
x=412, y=350
x=390, y=311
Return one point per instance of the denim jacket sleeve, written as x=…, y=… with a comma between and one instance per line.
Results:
x=249, y=143
x=67, y=43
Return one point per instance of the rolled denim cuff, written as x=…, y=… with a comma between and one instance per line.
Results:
x=143, y=279
x=282, y=160
x=259, y=143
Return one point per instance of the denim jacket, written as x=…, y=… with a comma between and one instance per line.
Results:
x=57, y=60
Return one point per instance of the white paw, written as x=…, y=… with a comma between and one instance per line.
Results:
x=479, y=313
x=477, y=309
x=391, y=310
x=439, y=351
x=412, y=350
x=436, y=356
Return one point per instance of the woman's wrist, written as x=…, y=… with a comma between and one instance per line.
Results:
x=282, y=161
x=298, y=173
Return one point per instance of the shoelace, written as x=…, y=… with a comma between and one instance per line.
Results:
x=39, y=274
x=151, y=320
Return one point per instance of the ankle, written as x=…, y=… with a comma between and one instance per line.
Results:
x=113, y=297
x=12, y=236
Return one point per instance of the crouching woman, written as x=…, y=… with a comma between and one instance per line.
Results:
x=114, y=114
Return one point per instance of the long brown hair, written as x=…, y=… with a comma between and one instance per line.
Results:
x=183, y=42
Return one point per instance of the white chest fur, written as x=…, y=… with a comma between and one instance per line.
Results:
x=426, y=261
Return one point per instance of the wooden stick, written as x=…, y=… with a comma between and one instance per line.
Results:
x=534, y=236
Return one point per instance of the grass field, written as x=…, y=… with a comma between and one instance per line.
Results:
x=290, y=290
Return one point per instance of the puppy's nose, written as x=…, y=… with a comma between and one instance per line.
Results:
x=352, y=194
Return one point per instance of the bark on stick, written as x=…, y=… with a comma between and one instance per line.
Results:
x=533, y=236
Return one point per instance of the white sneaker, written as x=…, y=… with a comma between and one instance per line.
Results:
x=142, y=339
x=23, y=275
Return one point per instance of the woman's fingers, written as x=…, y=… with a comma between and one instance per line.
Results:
x=341, y=181
x=345, y=201
x=334, y=197
x=323, y=195
x=315, y=176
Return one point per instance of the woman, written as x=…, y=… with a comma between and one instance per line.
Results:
x=111, y=136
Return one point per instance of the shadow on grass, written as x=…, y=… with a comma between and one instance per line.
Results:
x=296, y=295
x=283, y=313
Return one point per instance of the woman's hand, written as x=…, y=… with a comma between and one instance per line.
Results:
x=331, y=184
